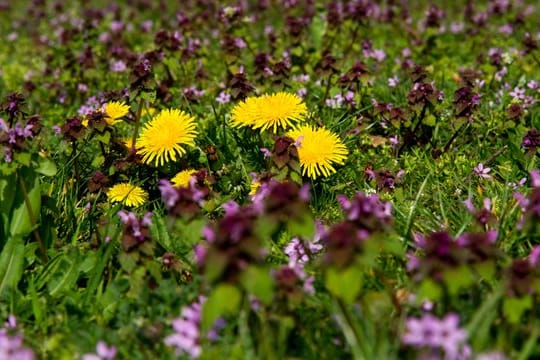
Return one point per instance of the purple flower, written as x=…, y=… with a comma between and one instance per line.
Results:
x=266, y=153
x=517, y=93
x=482, y=172
x=133, y=227
x=431, y=332
x=169, y=195
x=11, y=343
x=393, y=81
x=494, y=355
x=187, y=330
x=103, y=352
x=223, y=98
x=118, y=66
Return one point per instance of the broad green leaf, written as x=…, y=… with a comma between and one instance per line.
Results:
x=11, y=263
x=224, y=300
x=317, y=30
x=304, y=227
x=46, y=167
x=65, y=278
x=429, y=289
x=344, y=284
x=455, y=279
x=160, y=233
x=258, y=281
x=128, y=261
x=514, y=307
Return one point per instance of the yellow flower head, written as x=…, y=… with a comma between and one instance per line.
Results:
x=115, y=110
x=128, y=194
x=162, y=137
x=318, y=150
x=245, y=112
x=254, y=187
x=182, y=178
x=271, y=111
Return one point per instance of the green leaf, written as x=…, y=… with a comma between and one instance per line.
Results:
x=317, y=30
x=11, y=263
x=46, y=167
x=344, y=284
x=104, y=137
x=65, y=278
x=128, y=261
x=304, y=227
x=7, y=196
x=429, y=290
x=160, y=233
x=20, y=222
x=514, y=307
x=23, y=158
x=224, y=300
x=455, y=279
x=258, y=282
x=486, y=270
x=150, y=96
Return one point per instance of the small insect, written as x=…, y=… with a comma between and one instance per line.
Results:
x=211, y=153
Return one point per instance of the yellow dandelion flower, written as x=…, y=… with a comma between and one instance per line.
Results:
x=279, y=110
x=270, y=111
x=84, y=122
x=128, y=194
x=254, y=187
x=115, y=110
x=319, y=149
x=162, y=138
x=245, y=112
x=182, y=178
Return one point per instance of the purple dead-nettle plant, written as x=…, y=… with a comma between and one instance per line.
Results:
x=483, y=215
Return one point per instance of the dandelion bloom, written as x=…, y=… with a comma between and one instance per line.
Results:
x=115, y=110
x=245, y=112
x=128, y=194
x=318, y=150
x=182, y=178
x=270, y=111
x=162, y=138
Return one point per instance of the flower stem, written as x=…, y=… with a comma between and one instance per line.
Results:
x=351, y=332
x=32, y=219
x=137, y=124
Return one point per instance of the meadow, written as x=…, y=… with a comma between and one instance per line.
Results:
x=269, y=179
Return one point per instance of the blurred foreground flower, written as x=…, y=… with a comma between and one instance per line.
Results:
x=162, y=138
x=128, y=194
x=434, y=334
x=318, y=149
x=279, y=110
x=187, y=336
x=11, y=343
x=103, y=352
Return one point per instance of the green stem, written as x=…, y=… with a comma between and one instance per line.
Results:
x=355, y=340
x=137, y=124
